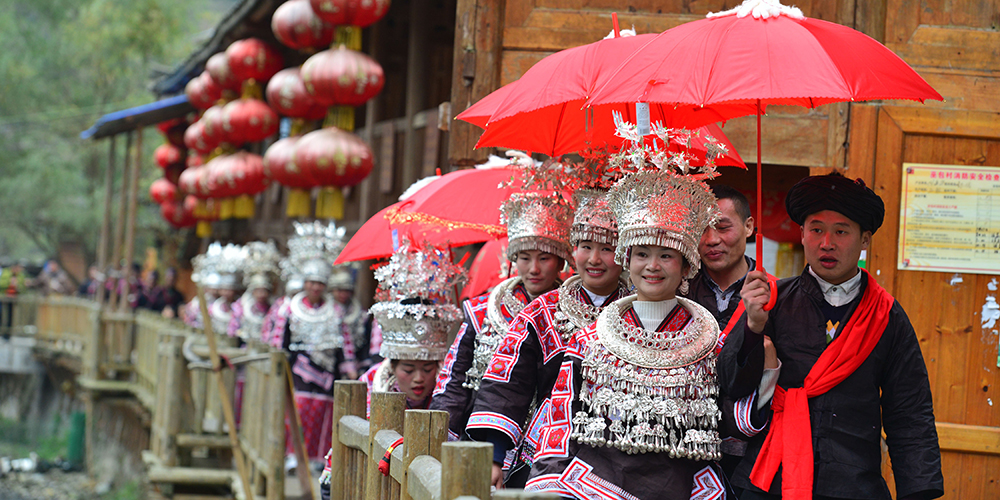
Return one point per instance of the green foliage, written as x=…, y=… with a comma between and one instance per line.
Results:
x=63, y=64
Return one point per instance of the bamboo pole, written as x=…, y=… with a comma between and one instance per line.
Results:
x=227, y=407
x=295, y=424
x=116, y=242
x=102, y=244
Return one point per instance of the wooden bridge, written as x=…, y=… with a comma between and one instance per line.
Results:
x=146, y=357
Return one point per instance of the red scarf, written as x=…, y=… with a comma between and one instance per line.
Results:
x=789, y=442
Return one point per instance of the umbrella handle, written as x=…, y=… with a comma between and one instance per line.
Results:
x=772, y=282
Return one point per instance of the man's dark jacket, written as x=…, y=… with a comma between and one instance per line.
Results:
x=890, y=389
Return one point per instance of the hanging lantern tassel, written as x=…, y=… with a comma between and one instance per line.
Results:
x=244, y=207
x=330, y=203
x=341, y=117
x=348, y=36
x=226, y=208
x=298, y=203
x=201, y=209
x=203, y=229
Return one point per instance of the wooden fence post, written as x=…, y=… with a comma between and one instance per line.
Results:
x=387, y=410
x=465, y=469
x=349, y=398
x=425, y=431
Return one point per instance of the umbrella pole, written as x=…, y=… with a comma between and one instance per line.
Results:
x=760, y=200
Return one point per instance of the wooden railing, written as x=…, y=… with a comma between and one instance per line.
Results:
x=424, y=467
x=65, y=324
x=262, y=430
x=18, y=315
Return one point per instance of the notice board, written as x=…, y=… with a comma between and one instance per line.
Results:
x=949, y=219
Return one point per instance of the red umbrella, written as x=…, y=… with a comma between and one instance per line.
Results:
x=544, y=110
x=374, y=240
x=734, y=63
x=487, y=270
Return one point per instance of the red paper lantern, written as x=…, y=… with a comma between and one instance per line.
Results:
x=177, y=214
x=195, y=160
x=194, y=138
x=280, y=167
x=168, y=154
x=188, y=180
x=286, y=93
x=162, y=191
x=252, y=58
x=342, y=77
x=296, y=25
x=248, y=170
x=217, y=67
x=332, y=157
x=173, y=130
x=214, y=130
x=219, y=179
x=354, y=12
x=248, y=120
x=202, y=92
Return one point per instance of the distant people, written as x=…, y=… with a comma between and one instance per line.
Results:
x=11, y=283
x=89, y=286
x=54, y=281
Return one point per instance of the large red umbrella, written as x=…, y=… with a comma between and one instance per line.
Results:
x=543, y=111
x=456, y=209
x=487, y=270
x=736, y=62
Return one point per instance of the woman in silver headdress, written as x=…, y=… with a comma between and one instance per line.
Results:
x=511, y=392
x=633, y=411
x=538, y=230
x=260, y=263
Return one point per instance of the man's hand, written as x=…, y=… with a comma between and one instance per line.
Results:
x=756, y=293
x=496, y=476
x=770, y=354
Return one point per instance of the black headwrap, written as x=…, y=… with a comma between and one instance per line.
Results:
x=838, y=193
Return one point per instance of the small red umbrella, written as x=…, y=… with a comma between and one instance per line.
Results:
x=378, y=237
x=544, y=111
x=487, y=270
x=736, y=62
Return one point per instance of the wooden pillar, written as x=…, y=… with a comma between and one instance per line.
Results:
x=133, y=193
x=369, y=187
x=116, y=241
x=416, y=87
x=425, y=431
x=102, y=244
x=387, y=411
x=349, y=398
x=465, y=469
x=476, y=72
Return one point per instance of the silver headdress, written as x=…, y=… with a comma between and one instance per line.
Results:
x=663, y=209
x=260, y=265
x=414, y=308
x=537, y=222
x=341, y=279
x=219, y=266
x=593, y=220
x=312, y=251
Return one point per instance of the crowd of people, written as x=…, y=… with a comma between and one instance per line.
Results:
x=657, y=370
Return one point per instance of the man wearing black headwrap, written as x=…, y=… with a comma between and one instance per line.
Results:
x=850, y=365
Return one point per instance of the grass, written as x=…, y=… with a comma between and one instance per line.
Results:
x=18, y=439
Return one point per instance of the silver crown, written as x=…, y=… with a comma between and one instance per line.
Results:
x=414, y=308
x=219, y=266
x=260, y=265
x=593, y=220
x=664, y=209
x=537, y=222
x=312, y=251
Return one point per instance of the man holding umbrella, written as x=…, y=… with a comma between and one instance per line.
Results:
x=850, y=365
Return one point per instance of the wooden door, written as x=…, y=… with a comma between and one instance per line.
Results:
x=960, y=354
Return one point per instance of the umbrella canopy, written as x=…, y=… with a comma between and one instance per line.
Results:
x=544, y=112
x=736, y=62
x=487, y=270
x=374, y=240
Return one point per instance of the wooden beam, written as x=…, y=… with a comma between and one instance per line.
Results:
x=102, y=243
x=475, y=73
x=968, y=438
x=116, y=242
x=416, y=87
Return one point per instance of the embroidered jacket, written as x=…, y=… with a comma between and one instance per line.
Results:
x=568, y=468
x=312, y=371
x=523, y=370
x=452, y=392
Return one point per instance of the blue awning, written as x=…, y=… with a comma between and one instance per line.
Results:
x=138, y=117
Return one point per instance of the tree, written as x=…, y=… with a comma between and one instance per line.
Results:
x=63, y=64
